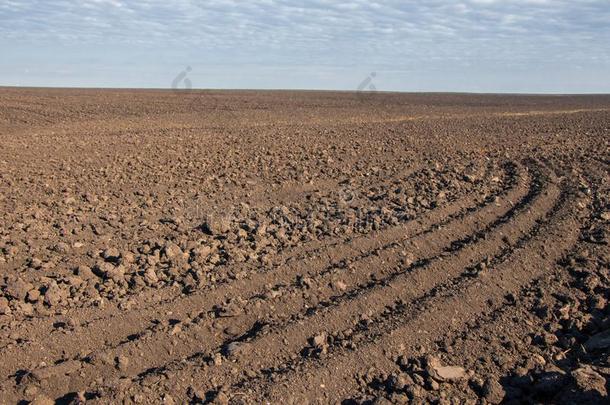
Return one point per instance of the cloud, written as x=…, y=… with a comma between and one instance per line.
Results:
x=379, y=34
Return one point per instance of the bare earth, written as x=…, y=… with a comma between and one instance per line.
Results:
x=294, y=247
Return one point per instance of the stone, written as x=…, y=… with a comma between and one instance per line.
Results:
x=110, y=271
x=127, y=257
x=450, y=373
x=4, y=307
x=493, y=392
x=587, y=379
x=215, y=225
x=111, y=255
x=33, y=295
x=84, y=272
x=398, y=382
x=17, y=288
x=171, y=250
x=201, y=252
x=151, y=276
x=24, y=308
x=53, y=295
x=444, y=373
x=319, y=340
x=101, y=269
x=587, y=386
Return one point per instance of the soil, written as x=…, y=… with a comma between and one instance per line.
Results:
x=303, y=247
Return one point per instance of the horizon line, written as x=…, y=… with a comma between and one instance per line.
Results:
x=388, y=92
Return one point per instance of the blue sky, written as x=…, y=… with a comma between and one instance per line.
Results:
x=531, y=46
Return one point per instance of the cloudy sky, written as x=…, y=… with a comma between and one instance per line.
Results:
x=534, y=46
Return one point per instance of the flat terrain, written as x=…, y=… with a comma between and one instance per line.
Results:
x=303, y=247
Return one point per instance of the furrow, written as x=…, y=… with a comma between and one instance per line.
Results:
x=137, y=323
x=334, y=379
x=277, y=346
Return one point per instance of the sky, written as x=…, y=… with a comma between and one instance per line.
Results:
x=518, y=46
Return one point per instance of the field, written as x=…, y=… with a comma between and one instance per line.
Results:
x=303, y=247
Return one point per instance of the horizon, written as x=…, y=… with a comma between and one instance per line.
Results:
x=372, y=92
x=471, y=46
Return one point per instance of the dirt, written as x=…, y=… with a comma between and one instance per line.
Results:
x=303, y=247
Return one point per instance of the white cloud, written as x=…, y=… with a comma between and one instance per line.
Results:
x=390, y=34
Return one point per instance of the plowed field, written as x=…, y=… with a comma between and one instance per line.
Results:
x=303, y=247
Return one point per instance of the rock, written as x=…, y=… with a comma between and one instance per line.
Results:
x=415, y=391
x=587, y=386
x=18, y=289
x=493, y=392
x=36, y=263
x=101, y=358
x=127, y=257
x=24, y=308
x=151, y=276
x=538, y=359
x=201, y=252
x=110, y=271
x=30, y=390
x=111, y=255
x=587, y=379
x=215, y=225
x=230, y=309
x=54, y=295
x=84, y=272
x=171, y=250
x=444, y=373
x=101, y=269
x=33, y=295
x=74, y=281
x=450, y=373
x=398, y=382
x=319, y=340
x=547, y=339
x=4, y=307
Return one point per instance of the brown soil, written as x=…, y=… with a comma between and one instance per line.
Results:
x=245, y=247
